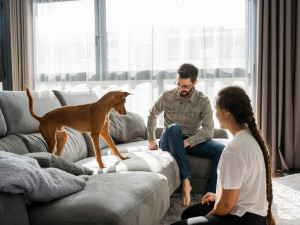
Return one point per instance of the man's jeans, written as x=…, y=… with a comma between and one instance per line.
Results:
x=172, y=140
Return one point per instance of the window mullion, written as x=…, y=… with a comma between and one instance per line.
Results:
x=101, y=39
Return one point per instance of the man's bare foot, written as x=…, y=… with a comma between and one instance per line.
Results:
x=185, y=193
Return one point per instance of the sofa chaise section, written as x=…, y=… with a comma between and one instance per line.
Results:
x=140, y=159
x=109, y=199
x=129, y=132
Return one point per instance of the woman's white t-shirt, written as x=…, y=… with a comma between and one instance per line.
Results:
x=242, y=166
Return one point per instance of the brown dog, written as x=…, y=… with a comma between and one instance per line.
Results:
x=85, y=118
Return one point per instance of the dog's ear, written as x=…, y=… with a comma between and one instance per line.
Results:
x=127, y=93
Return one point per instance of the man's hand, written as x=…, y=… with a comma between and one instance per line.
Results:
x=186, y=143
x=208, y=197
x=152, y=145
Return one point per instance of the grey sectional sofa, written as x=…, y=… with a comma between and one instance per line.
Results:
x=133, y=191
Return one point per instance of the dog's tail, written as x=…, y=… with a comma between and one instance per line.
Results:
x=31, y=105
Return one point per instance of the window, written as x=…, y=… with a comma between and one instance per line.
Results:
x=64, y=41
x=138, y=45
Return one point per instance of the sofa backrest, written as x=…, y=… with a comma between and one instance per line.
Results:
x=75, y=97
x=15, y=109
x=21, y=135
x=20, y=127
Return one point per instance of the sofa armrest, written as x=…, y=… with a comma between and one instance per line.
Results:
x=13, y=209
x=220, y=133
x=158, y=132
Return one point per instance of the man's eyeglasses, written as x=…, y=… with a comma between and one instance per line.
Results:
x=183, y=86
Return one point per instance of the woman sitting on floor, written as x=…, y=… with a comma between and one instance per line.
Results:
x=244, y=189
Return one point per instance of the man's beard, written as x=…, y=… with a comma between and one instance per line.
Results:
x=186, y=93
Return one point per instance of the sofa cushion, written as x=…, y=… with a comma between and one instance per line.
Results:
x=135, y=146
x=141, y=159
x=3, y=128
x=14, y=144
x=127, y=128
x=199, y=169
x=220, y=133
x=13, y=209
x=46, y=159
x=75, y=148
x=76, y=97
x=34, y=142
x=15, y=109
x=109, y=199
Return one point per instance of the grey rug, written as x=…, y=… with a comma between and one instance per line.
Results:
x=285, y=208
x=175, y=209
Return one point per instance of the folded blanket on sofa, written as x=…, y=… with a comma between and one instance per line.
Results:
x=21, y=174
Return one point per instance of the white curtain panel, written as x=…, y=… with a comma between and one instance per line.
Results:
x=137, y=46
x=64, y=40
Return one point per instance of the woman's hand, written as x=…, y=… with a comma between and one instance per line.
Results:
x=226, y=202
x=208, y=197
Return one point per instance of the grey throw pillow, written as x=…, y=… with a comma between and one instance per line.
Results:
x=46, y=159
x=127, y=128
x=74, y=150
x=34, y=142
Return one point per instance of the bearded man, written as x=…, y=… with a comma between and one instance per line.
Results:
x=189, y=127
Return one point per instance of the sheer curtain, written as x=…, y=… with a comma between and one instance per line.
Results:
x=137, y=46
x=64, y=42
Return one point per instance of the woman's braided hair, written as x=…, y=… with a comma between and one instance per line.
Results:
x=236, y=101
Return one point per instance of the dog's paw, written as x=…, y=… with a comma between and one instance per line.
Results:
x=102, y=166
x=124, y=158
